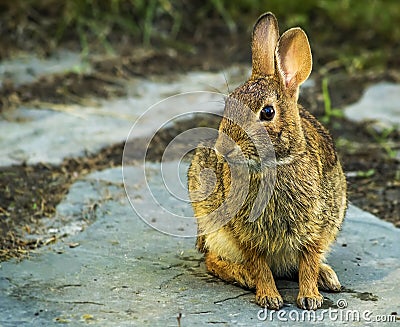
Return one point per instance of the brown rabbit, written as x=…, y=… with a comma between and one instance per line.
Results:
x=259, y=217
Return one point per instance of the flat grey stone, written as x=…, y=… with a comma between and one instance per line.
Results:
x=121, y=272
x=57, y=132
x=379, y=104
x=28, y=68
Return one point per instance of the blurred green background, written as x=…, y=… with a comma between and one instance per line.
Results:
x=359, y=33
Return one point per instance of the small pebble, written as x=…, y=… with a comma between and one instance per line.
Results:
x=73, y=245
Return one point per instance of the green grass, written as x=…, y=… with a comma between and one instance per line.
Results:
x=329, y=112
x=366, y=174
x=383, y=139
x=149, y=21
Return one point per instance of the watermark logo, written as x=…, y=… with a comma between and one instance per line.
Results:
x=340, y=314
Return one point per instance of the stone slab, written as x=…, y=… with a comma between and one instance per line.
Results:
x=121, y=272
x=29, y=68
x=54, y=132
x=380, y=104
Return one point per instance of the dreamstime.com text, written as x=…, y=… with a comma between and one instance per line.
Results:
x=341, y=313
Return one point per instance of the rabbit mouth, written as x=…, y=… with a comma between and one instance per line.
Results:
x=250, y=160
x=252, y=163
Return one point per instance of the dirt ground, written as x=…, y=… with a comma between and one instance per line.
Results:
x=29, y=193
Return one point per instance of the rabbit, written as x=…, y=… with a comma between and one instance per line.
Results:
x=285, y=221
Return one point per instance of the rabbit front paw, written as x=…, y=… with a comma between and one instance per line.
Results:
x=310, y=302
x=271, y=301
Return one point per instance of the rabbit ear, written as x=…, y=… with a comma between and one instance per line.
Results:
x=293, y=56
x=265, y=38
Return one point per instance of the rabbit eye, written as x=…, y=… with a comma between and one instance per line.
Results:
x=267, y=113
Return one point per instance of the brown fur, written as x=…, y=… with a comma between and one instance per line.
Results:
x=303, y=212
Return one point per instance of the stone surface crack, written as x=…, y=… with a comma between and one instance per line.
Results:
x=232, y=298
x=68, y=285
x=201, y=313
x=83, y=302
x=163, y=284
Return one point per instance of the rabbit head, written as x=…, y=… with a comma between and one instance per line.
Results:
x=263, y=112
